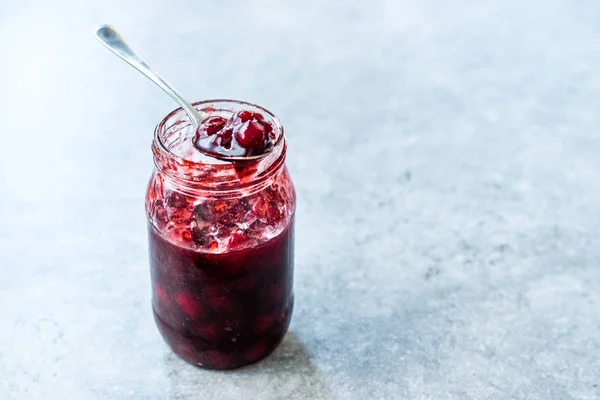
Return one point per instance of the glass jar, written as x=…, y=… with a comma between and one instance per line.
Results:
x=221, y=245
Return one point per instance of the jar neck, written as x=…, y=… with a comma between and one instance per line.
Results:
x=205, y=178
x=211, y=176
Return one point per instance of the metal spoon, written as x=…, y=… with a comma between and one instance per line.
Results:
x=110, y=38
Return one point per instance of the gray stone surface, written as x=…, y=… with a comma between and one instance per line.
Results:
x=446, y=161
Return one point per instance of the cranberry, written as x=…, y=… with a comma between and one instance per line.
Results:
x=237, y=239
x=245, y=116
x=160, y=292
x=213, y=246
x=189, y=305
x=246, y=133
x=212, y=125
x=251, y=135
x=268, y=127
x=180, y=216
x=186, y=235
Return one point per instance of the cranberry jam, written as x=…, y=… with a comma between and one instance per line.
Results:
x=221, y=236
x=244, y=134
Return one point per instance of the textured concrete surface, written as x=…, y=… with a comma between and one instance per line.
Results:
x=446, y=160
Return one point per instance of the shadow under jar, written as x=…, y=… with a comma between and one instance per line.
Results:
x=221, y=245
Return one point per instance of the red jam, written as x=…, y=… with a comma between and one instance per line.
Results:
x=223, y=310
x=245, y=134
x=221, y=243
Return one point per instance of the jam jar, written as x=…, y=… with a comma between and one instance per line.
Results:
x=221, y=244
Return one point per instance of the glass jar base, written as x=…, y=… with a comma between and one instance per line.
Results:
x=204, y=354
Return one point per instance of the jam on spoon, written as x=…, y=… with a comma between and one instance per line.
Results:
x=245, y=134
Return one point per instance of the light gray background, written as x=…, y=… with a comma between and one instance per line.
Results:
x=446, y=159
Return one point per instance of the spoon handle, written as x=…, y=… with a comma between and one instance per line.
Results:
x=110, y=38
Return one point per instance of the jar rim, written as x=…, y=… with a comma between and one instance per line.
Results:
x=218, y=175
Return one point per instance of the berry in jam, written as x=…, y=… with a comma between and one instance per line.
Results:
x=245, y=134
